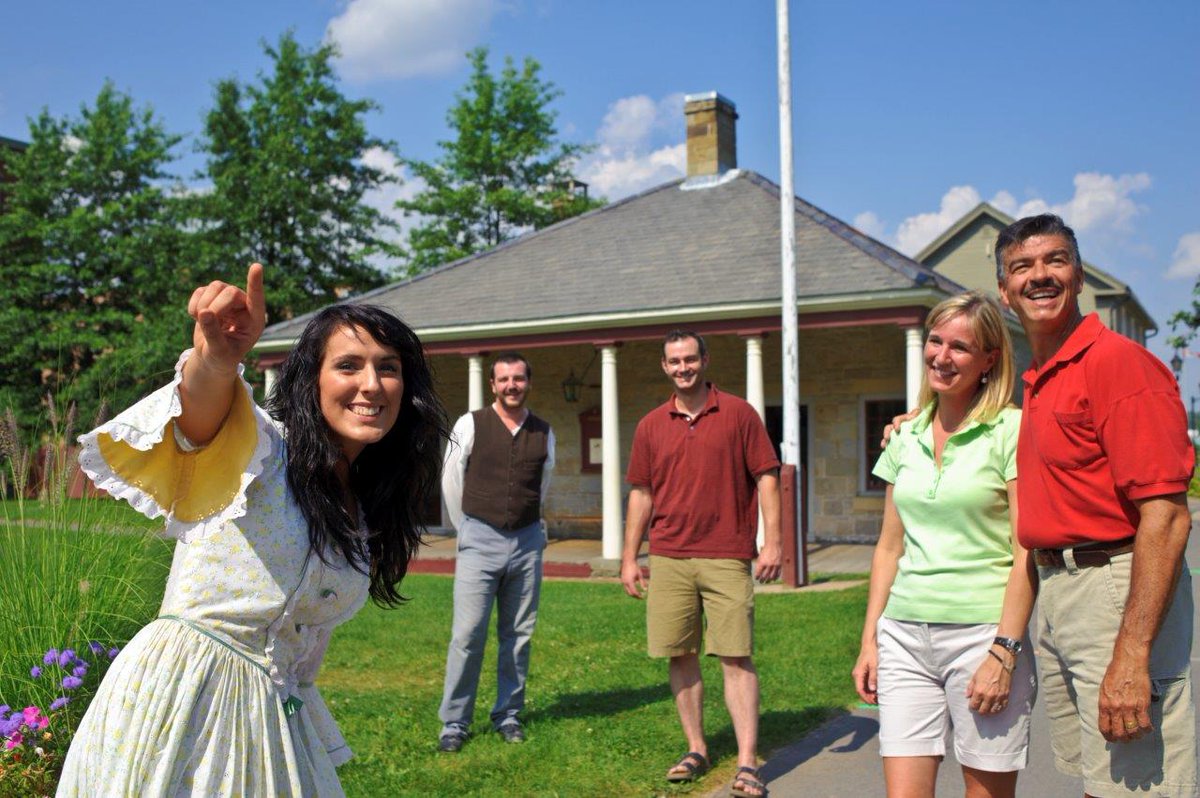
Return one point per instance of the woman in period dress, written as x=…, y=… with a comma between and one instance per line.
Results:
x=944, y=645
x=285, y=523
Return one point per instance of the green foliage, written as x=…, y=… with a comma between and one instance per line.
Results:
x=72, y=574
x=505, y=171
x=285, y=158
x=599, y=712
x=90, y=261
x=1185, y=323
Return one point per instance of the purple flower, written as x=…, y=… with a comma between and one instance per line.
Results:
x=80, y=671
x=66, y=657
x=35, y=671
x=113, y=652
x=51, y=657
x=10, y=726
x=4, y=709
x=71, y=682
x=96, y=647
x=59, y=703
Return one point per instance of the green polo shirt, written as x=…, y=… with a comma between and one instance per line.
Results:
x=957, y=535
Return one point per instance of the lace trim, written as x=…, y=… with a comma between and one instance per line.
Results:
x=142, y=427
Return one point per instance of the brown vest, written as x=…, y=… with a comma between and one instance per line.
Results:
x=503, y=484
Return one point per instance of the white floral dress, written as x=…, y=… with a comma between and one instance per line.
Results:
x=216, y=696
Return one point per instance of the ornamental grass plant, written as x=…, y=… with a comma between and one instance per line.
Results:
x=74, y=574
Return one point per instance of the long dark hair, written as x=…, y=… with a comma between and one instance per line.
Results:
x=392, y=479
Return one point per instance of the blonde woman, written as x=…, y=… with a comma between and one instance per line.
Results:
x=944, y=642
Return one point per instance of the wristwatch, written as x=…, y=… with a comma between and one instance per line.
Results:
x=1008, y=644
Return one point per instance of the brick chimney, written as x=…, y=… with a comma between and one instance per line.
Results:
x=711, y=134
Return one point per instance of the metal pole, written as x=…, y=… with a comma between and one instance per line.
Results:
x=787, y=236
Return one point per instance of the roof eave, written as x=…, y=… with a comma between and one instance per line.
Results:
x=924, y=296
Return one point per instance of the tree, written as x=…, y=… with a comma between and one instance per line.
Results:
x=92, y=308
x=285, y=158
x=1186, y=323
x=504, y=173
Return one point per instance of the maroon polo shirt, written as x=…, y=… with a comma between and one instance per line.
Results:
x=701, y=476
x=1102, y=426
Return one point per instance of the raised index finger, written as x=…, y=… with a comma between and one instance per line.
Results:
x=254, y=290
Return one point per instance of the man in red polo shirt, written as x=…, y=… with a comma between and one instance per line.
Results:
x=1105, y=461
x=697, y=463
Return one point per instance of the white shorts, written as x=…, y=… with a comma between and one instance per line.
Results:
x=924, y=670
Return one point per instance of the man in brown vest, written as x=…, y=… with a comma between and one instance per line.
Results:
x=494, y=480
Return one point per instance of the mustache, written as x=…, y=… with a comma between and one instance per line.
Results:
x=1041, y=286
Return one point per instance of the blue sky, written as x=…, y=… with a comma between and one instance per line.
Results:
x=906, y=114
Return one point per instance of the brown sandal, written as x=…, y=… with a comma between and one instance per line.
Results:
x=748, y=778
x=690, y=767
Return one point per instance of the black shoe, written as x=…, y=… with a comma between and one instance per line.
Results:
x=452, y=742
x=512, y=732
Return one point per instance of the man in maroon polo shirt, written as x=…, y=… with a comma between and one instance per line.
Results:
x=1104, y=463
x=697, y=464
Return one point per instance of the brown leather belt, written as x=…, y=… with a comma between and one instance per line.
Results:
x=1088, y=556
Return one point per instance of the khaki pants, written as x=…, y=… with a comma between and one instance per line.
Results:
x=1080, y=613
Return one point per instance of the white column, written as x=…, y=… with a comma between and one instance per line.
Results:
x=270, y=377
x=610, y=477
x=754, y=375
x=913, y=345
x=474, y=382
x=754, y=396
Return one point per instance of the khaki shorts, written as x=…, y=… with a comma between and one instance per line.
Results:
x=1080, y=613
x=687, y=594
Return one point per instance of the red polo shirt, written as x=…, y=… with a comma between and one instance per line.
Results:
x=701, y=475
x=1102, y=426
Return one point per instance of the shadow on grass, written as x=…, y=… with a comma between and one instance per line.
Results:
x=601, y=702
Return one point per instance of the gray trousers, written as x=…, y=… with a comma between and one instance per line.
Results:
x=504, y=567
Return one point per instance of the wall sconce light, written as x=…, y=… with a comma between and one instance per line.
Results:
x=571, y=384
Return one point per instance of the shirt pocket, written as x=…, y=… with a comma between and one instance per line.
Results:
x=1071, y=441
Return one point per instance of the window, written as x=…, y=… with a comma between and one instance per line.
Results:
x=876, y=414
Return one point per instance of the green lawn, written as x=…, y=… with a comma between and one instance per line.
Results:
x=103, y=513
x=599, y=713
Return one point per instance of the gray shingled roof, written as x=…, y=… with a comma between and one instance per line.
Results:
x=667, y=246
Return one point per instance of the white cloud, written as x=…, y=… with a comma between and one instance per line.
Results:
x=1186, y=261
x=381, y=39
x=385, y=197
x=1102, y=207
x=1005, y=202
x=870, y=224
x=629, y=121
x=615, y=176
x=638, y=146
x=917, y=231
